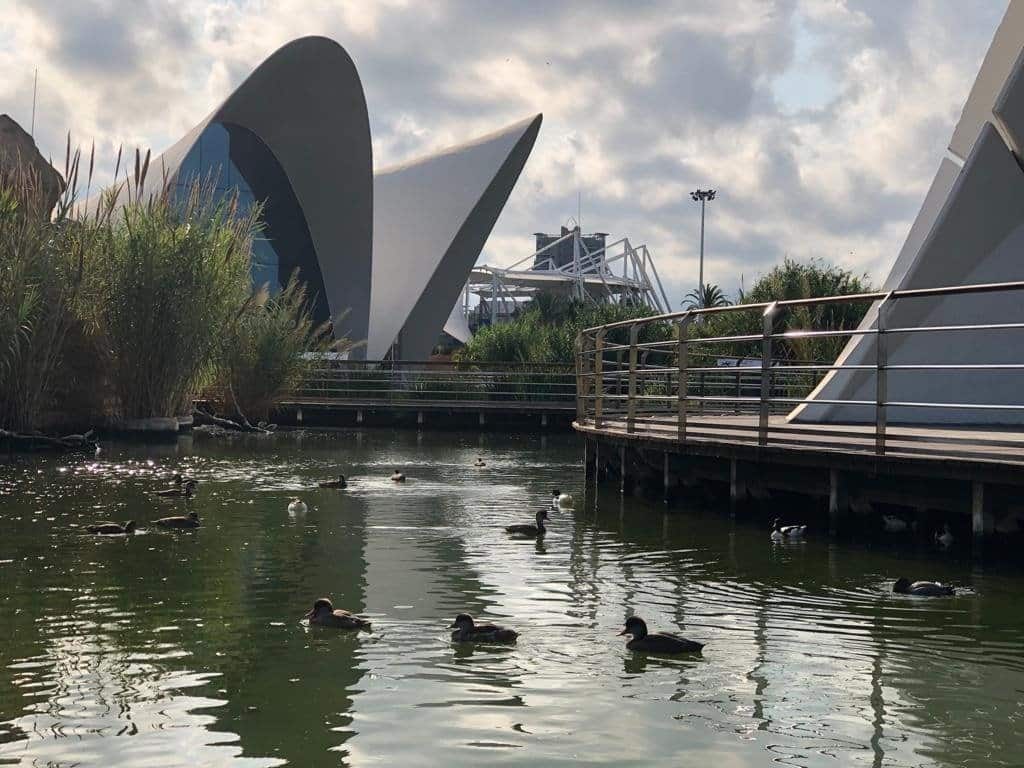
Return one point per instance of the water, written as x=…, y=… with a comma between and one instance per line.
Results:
x=186, y=648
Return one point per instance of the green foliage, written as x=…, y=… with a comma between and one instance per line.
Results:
x=786, y=281
x=41, y=292
x=547, y=328
x=709, y=295
x=270, y=351
x=171, y=275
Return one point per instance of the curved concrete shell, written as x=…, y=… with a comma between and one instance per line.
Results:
x=431, y=218
x=970, y=230
x=305, y=103
x=390, y=251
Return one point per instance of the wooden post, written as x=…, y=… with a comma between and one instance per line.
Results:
x=734, y=486
x=838, y=500
x=598, y=376
x=419, y=418
x=622, y=469
x=298, y=415
x=665, y=477
x=634, y=335
x=766, y=374
x=981, y=515
x=359, y=417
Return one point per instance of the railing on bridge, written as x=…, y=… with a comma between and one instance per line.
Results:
x=730, y=374
x=465, y=385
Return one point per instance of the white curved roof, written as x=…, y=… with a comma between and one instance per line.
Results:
x=431, y=216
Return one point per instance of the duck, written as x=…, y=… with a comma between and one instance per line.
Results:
x=186, y=488
x=191, y=520
x=656, y=642
x=787, y=532
x=480, y=462
x=324, y=614
x=531, y=531
x=339, y=483
x=903, y=586
x=560, y=500
x=107, y=528
x=944, y=539
x=297, y=507
x=397, y=477
x=893, y=524
x=467, y=631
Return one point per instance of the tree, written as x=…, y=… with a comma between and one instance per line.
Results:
x=707, y=296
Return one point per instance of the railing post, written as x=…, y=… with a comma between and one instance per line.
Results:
x=598, y=376
x=682, y=361
x=581, y=379
x=634, y=335
x=766, y=374
x=881, y=373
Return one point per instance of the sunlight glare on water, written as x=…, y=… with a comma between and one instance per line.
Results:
x=186, y=648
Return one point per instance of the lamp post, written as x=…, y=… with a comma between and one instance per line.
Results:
x=702, y=196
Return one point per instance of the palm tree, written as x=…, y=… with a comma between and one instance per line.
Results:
x=705, y=297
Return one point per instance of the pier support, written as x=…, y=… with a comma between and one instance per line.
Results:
x=482, y=419
x=622, y=469
x=838, y=500
x=298, y=415
x=543, y=420
x=419, y=418
x=737, y=490
x=665, y=477
x=359, y=417
x=982, y=522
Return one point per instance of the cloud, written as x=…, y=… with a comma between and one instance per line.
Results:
x=820, y=123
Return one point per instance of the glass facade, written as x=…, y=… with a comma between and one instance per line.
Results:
x=235, y=159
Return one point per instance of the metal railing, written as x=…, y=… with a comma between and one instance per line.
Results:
x=514, y=385
x=732, y=373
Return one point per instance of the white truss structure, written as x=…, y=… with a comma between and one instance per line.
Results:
x=618, y=273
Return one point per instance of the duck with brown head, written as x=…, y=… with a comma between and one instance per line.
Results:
x=527, y=531
x=468, y=631
x=324, y=614
x=191, y=520
x=107, y=528
x=656, y=642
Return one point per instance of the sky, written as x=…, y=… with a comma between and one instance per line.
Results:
x=819, y=123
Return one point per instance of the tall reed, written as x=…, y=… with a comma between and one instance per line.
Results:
x=43, y=264
x=273, y=347
x=172, y=271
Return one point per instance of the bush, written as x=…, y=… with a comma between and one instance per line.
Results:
x=271, y=350
x=171, y=275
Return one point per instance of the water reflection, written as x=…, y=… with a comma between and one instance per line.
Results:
x=186, y=648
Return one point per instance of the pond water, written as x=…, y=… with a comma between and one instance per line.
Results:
x=186, y=648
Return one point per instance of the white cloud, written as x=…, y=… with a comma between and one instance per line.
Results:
x=819, y=122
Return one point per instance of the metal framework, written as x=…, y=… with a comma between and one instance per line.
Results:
x=620, y=272
x=676, y=388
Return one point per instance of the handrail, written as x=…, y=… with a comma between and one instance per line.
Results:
x=657, y=380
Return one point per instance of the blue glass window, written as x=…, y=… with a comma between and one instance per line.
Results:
x=234, y=159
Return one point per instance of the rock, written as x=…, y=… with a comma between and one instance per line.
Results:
x=18, y=149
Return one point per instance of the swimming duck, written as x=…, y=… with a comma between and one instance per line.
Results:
x=480, y=462
x=657, y=642
x=787, y=532
x=339, y=483
x=903, y=586
x=531, y=531
x=893, y=524
x=397, y=477
x=560, y=500
x=186, y=488
x=324, y=614
x=107, y=528
x=944, y=539
x=297, y=507
x=191, y=520
x=466, y=631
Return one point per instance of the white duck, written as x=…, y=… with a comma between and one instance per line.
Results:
x=787, y=532
x=560, y=500
x=297, y=507
x=893, y=524
x=944, y=539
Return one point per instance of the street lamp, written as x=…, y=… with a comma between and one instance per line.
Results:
x=702, y=196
